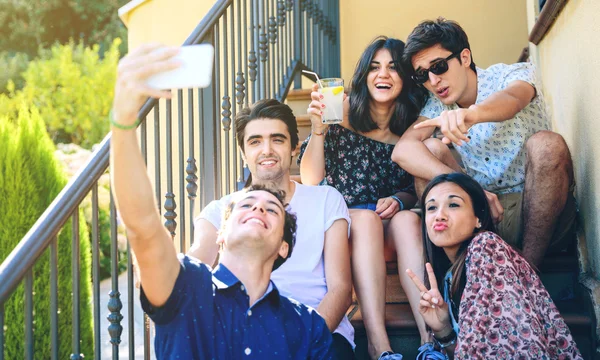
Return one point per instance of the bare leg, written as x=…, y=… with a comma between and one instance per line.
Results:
x=442, y=152
x=405, y=232
x=368, y=272
x=548, y=173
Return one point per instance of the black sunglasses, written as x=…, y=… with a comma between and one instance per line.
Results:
x=438, y=68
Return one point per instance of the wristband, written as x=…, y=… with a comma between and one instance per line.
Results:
x=399, y=201
x=317, y=133
x=121, y=126
x=446, y=341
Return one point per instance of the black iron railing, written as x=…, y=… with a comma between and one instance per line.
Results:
x=260, y=48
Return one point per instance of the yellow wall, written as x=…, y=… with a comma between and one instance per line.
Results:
x=497, y=30
x=165, y=21
x=569, y=62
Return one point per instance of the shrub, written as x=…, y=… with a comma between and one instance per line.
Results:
x=13, y=66
x=27, y=25
x=30, y=178
x=73, y=87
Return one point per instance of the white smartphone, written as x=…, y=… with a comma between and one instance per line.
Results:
x=195, y=70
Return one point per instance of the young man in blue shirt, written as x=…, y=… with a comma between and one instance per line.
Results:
x=234, y=311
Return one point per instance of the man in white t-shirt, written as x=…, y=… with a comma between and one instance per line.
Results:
x=318, y=272
x=497, y=121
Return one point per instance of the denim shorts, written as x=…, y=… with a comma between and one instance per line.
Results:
x=368, y=206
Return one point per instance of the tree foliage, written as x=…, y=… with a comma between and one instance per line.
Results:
x=73, y=88
x=30, y=178
x=26, y=26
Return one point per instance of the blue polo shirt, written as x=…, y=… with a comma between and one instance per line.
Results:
x=207, y=316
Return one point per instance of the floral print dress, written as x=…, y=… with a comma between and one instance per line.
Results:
x=360, y=168
x=505, y=311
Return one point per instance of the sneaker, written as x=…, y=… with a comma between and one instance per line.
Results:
x=428, y=352
x=389, y=355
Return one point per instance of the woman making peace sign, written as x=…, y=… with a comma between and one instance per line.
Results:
x=485, y=300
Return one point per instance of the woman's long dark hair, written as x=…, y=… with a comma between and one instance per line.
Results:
x=408, y=103
x=436, y=255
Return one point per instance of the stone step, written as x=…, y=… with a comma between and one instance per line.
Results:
x=404, y=337
x=398, y=317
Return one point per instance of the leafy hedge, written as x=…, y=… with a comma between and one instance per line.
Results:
x=27, y=25
x=30, y=178
x=73, y=88
x=12, y=65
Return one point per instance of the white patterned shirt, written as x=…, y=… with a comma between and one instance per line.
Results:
x=495, y=156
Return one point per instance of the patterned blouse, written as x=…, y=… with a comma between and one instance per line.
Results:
x=360, y=168
x=505, y=310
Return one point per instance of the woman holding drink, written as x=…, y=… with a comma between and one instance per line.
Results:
x=494, y=306
x=354, y=156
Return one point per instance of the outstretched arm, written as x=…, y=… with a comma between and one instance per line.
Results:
x=500, y=106
x=154, y=250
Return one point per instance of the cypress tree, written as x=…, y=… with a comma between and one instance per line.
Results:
x=30, y=178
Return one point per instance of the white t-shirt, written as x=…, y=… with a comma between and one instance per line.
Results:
x=302, y=276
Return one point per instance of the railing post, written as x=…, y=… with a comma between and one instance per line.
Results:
x=298, y=41
x=208, y=175
x=114, y=303
x=75, y=275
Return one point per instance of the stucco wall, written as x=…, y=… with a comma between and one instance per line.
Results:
x=569, y=63
x=497, y=30
x=165, y=21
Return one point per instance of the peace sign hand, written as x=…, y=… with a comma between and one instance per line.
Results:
x=432, y=306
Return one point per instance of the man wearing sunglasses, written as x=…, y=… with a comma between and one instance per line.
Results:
x=496, y=119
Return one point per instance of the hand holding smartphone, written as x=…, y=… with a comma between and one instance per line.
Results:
x=195, y=70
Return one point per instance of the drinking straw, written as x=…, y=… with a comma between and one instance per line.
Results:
x=315, y=75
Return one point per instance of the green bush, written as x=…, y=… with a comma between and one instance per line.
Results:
x=30, y=178
x=73, y=88
x=13, y=66
x=27, y=25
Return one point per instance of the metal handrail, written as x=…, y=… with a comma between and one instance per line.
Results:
x=284, y=37
x=14, y=268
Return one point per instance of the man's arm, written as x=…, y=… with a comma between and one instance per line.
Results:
x=500, y=106
x=413, y=155
x=205, y=246
x=150, y=241
x=505, y=104
x=338, y=275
